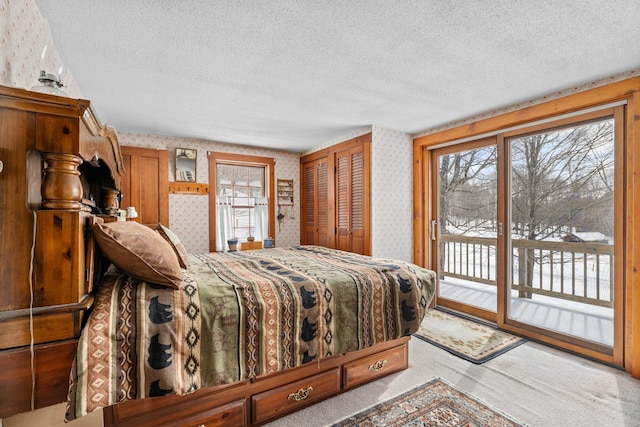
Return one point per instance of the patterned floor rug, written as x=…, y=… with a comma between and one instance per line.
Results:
x=472, y=340
x=436, y=403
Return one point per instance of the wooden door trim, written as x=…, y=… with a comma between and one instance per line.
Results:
x=626, y=90
x=214, y=158
x=619, y=91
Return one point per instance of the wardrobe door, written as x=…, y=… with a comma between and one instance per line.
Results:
x=145, y=184
x=352, y=199
x=315, y=209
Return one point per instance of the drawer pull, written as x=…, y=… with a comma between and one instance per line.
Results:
x=301, y=394
x=378, y=365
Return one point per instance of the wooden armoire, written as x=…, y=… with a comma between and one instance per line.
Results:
x=335, y=200
x=61, y=171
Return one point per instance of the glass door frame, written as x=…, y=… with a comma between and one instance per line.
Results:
x=479, y=312
x=611, y=354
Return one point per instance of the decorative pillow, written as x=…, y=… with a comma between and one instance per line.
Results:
x=139, y=252
x=175, y=243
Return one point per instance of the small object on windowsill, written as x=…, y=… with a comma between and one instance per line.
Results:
x=250, y=239
x=250, y=246
x=233, y=244
x=268, y=243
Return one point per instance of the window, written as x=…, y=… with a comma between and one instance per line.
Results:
x=240, y=198
x=241, y=186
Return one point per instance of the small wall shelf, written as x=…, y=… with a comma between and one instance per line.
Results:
x=285, y=192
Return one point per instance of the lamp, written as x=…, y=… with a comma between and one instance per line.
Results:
x=131, y=212
x=50, y=83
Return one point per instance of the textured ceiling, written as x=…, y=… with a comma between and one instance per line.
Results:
x=295, y=74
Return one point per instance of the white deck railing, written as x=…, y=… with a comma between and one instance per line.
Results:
x=581, y=272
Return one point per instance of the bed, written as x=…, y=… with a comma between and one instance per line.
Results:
x=237, y=318
x=286, y=334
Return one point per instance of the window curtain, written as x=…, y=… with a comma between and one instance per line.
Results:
x=262, y=218
x=223, y=223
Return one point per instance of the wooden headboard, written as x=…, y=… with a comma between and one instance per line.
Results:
x=62, y=170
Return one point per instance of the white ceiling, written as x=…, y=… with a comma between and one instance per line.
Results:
x=295, y=74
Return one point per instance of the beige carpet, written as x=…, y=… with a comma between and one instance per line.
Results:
x=534, y=383
x=472, y=340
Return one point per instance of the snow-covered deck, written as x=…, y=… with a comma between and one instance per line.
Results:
x=581, y=320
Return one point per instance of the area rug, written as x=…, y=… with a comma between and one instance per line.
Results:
x=436, y=403
x=470, y=339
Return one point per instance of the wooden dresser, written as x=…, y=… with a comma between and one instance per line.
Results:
x=60, y=167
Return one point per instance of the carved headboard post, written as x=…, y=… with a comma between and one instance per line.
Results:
x=61, y=185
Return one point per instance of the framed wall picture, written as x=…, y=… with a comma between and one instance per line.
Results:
x=186, y=160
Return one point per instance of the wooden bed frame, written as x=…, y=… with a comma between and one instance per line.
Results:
x=266, y=398
x=62, y=169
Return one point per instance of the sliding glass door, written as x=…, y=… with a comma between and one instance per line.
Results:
x=524, y=233
x=563, y=185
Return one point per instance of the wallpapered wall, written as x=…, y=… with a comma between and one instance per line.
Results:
x=24, y=34
x=392, y=194
x=189, y=214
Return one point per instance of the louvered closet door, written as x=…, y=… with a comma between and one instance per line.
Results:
x=350, y=200
x=316, y=203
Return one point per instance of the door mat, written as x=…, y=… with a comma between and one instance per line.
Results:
x=469, y=339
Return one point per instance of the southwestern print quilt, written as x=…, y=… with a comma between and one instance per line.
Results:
x=239, y=315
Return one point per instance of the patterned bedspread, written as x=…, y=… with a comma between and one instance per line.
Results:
x=237, y=316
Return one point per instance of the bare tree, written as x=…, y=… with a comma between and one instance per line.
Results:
x=558, y=175
x=467, y=189
x=560, y=179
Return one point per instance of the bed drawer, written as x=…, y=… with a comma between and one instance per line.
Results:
x=293, y=396
x=231, y=414
x=372, y=367
x=226, y=406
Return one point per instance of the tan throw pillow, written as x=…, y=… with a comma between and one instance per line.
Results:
x=139, y=252
x=175, y=243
